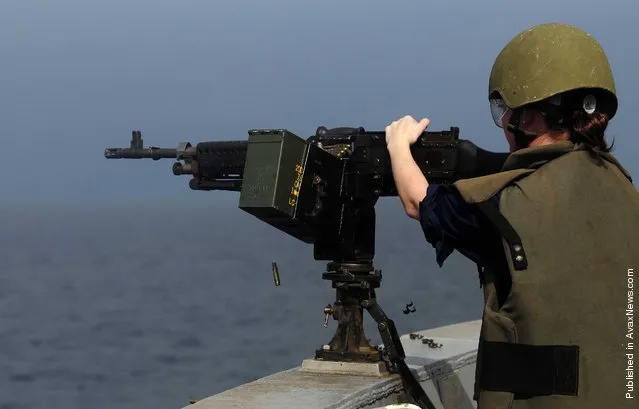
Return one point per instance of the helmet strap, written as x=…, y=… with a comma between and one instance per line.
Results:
x=523, y=139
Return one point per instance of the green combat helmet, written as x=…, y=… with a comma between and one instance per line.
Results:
x=547, y=60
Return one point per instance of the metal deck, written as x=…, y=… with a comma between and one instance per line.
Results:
x=446, y=373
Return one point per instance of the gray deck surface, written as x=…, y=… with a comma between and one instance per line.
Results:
x=446, y=373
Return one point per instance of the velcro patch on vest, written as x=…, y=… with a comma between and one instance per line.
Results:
x=530, y=370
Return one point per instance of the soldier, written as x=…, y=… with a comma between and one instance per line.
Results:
x=553, y=234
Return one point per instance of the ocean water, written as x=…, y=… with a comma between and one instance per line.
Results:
x=150, y=306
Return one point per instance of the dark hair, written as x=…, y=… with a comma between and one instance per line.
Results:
x=570, y=117
x=589, y=129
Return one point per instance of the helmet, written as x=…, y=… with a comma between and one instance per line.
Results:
x=549, y=59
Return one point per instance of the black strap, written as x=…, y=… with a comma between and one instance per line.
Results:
x=482, y=277
x=523, y=139
x=395, y=350
x=413, y=387
x=529, y=370
x=490, y=210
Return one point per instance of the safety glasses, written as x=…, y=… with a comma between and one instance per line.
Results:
x=498, y=109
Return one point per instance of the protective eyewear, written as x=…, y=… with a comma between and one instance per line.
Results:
x=498, y=109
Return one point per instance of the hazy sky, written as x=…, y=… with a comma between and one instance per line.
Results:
x=77, y=76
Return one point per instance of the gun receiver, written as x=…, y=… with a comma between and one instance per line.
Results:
x=315, y=189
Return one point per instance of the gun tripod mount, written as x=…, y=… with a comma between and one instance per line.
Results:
x=355, y=284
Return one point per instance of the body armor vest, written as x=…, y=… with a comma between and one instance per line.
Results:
x=555, y=338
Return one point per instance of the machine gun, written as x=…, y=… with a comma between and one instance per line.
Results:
x=323, y=191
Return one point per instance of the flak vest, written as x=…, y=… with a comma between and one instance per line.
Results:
x=554, y=335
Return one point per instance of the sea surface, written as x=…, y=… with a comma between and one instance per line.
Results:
x=149, y=306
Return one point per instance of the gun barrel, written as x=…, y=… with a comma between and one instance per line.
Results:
x=140, y=153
